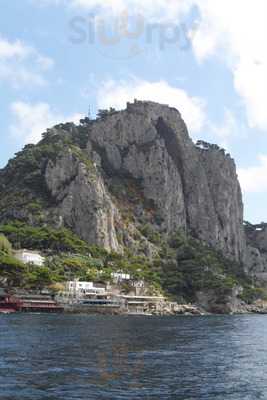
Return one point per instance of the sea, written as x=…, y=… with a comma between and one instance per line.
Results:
x=86, y=357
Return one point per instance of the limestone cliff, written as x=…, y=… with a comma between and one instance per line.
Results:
x=256, y=251
x=120, y=180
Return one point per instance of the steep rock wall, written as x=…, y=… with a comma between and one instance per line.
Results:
x=192, y=189
x=114, y=178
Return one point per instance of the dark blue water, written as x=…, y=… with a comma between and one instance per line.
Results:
x=93, y=357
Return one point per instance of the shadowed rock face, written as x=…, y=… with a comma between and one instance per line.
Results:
x=141, y=167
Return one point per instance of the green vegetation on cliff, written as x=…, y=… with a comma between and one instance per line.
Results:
x=22, y=235
x=183, y=266
x=187, y=265
x=24, y=192
x=11, y=270
x=43, y=187
x=5, y=245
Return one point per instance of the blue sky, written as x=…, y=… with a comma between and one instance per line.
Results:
x=207, y=58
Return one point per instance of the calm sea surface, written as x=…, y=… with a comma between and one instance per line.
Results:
x=93, y=357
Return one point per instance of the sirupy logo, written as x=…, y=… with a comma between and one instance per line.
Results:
x=131, y=32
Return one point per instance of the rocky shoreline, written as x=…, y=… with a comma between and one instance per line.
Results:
x=187, y=310
x=258, y=307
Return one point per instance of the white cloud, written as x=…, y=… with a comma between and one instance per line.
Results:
x=235, y=31
x=22, y=65
x=224, y=132
x=159, y=9
x=228, y=128
x=10, y=50
x=31, y=120
x=254, y=179
x=155, y=9
x=117, y=94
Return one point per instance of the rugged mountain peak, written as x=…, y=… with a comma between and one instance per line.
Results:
x=128, y=173
x=152, y=110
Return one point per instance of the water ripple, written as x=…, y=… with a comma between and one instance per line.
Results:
x=54, y=357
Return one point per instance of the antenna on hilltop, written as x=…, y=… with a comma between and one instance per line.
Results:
x=89, y=112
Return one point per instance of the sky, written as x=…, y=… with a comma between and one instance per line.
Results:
x=60, y=59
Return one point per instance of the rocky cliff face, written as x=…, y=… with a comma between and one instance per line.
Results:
x=122, y=179
x=226, y=196
x=189, y=188
x=256, y=251
x=82, y=200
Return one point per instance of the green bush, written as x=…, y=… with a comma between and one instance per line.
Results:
x=177, y=240
x=13, y=270
x=5, y=245
x=187, y=265
x=39, y=278
x=151, y=234
x=251, y=294
x=42, y=238
x=83, y=157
